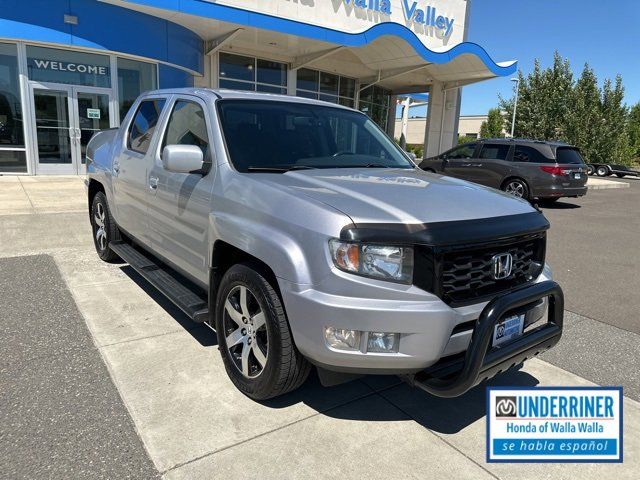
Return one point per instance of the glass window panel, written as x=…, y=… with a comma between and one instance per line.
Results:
x=347, y=102
x=328, y=83
x=366, y=95
x=305, y=94
x=187, y=126
x=11, y=127
x=272, y=72
x=308, y=79
x=144, y=124
x=271, y=89
x=93, y=109
x=282, y=134
x=237, y=67
x=13, y=161
x=64, y=66
x=494, y=151
x=347, y=87
x=233, y=85
x=134, y=78
x=329, y=98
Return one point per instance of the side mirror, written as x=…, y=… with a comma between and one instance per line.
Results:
x=182, y=158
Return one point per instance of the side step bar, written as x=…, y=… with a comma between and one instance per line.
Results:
x=165, y=280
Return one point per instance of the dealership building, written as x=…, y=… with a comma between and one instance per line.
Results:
x=71, y=67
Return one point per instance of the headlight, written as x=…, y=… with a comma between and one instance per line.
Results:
x=376, y=261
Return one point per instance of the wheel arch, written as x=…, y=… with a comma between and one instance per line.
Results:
x=93, y=188
x=223, y=257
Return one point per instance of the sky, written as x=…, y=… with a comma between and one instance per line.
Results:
x=606, y=34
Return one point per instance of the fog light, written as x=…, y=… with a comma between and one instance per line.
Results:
x=381, y=342
x=342, y=339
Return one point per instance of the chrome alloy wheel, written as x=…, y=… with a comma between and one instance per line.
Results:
x=246, y=332
x=99, y=220
x=515, y=188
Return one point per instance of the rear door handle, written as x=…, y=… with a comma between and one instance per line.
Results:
x=153, y=183
x=116, y=169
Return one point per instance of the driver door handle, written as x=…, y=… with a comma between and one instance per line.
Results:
x=116, y=168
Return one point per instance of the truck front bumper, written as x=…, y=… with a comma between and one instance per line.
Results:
x=429, y=329
x=482, y=361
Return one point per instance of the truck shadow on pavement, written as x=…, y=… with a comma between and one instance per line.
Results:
x=400, y=401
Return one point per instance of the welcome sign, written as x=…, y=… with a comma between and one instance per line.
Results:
x=554, y=424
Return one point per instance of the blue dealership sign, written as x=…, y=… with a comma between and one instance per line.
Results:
x=554, y=424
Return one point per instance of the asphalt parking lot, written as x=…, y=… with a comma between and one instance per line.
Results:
x=102, y=378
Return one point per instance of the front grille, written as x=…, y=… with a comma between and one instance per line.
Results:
x=464, y=275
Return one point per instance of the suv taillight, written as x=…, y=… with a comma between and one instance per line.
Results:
x=555, y=170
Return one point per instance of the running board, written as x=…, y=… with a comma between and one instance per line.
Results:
x=164, y=280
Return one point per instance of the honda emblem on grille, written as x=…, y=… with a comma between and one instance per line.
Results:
x=502, y=265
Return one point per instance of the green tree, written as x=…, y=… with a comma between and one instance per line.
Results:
x=494, y=125
x=612, y=144
x=633, y=127
x=584, y=124
x=552, y=106
x=544, y=102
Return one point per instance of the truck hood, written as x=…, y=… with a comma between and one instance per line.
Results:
x=383, y=195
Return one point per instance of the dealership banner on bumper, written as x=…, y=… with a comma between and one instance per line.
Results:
x=554, y=424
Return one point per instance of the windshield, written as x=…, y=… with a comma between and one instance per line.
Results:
x=568, y=155
x=265, y=135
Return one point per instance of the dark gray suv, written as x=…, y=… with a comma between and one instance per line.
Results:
x=528, y=169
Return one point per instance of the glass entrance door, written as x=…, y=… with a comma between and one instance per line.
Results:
x=54, y=134
x=66, y=117
x=93, y=116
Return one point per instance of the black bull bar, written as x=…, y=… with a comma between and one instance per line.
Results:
x=482, y=362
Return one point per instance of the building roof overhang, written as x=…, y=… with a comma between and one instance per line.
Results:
x=387, y=54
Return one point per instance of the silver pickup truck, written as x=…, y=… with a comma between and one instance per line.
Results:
x=303, y=235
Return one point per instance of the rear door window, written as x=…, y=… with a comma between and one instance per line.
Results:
x=524, y=153
x=494, y=151
x=144, y=124
x=568, y=155
x=464, y=151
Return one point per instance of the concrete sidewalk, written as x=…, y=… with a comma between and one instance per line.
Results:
x=595, y=183
x=194, y=424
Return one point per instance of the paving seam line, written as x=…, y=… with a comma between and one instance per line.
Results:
x=27, y=195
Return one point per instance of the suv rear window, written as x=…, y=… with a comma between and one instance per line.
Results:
x=568, y=155
x=495, y=151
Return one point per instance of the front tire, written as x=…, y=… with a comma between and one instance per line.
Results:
x=516, y=187
x=254, y=337
x=620, y=175
x=104, y=228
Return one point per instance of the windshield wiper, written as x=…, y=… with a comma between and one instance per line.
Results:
x=280, y=169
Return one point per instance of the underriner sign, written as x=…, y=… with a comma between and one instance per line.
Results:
x=426, y=16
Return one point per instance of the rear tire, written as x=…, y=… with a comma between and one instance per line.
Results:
x=620, y=175
x=590, y=170
x=104, y=228
x=516, y=187
x=254, y=337
x=602, y=171
x=549, y=201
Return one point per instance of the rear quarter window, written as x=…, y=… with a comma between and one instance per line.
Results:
x=568, y=155
x=524, y=153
